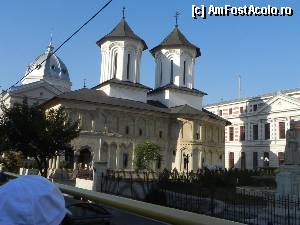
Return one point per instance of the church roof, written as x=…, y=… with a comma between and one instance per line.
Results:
x=122, y=30
x=175, y=39
x=255, y=98
x=94, y=96
x=188, y=110
x=121, y=82
x=174, y=87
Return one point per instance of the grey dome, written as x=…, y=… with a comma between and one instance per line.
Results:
x=49, y=65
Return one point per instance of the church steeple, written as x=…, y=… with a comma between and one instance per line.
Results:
x=121, y=53
x=175, y=58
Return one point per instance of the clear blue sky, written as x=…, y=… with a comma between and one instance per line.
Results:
x=263, y=50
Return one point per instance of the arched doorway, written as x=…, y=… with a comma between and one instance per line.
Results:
x=85, y=157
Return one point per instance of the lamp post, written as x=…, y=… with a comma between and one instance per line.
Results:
x=186, y=160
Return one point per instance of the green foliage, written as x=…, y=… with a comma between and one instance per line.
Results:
x=37, y=134
x=212, y=179
x=146, y=154
x=12, y=161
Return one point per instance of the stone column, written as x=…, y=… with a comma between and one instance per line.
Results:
x=57, y=162
x=108, y=157
x=118, y=157
x=133, y=155
x=200, y=159
x=50, y=163
x=53, y=163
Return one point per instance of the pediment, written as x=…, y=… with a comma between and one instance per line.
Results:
x=280, y=103
x=41, y=90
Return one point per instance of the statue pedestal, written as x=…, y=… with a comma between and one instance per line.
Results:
x=288, y=181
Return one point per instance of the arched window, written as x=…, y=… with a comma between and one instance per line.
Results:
x=127, y=130
x=184, y=72
x=160, y=134
x=172, y=72
x=161, y=72
x=125, y=160
x=140, y=132
x=115, y=65
x=128, y=66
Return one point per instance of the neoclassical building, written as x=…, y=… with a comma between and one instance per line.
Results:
x=120, y=112
x=46, y=77
x=256, y=137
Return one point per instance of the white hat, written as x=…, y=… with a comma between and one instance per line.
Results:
x=31, y=200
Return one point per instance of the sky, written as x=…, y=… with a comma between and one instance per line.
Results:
x=264, y=51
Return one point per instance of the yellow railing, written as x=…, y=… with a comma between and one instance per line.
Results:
x=161, y=213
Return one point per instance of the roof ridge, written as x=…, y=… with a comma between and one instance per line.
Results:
x=269, y=94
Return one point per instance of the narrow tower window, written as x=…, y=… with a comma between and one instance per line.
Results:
x=128, y=66
x=184, y=75
x=172, y=71
x=115, y=64
x=161, y=72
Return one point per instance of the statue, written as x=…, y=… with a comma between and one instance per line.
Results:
x=292, y=153
x=288, y=179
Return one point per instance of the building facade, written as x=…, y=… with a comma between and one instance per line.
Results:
x=120, y=112
x=256, y=137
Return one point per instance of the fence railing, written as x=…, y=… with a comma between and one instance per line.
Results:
x=161, y=213
x=250, y=207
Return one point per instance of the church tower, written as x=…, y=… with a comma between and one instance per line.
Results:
x=121, y=51
x=174, y=74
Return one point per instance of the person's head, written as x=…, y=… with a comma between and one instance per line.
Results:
x=31, y=200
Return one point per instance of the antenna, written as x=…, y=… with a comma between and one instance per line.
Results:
x=84, y=83
x=239, y=86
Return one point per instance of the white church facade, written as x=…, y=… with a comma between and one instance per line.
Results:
x=257, y=136
x=120, y=112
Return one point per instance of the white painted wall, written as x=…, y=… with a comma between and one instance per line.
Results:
x=125, y=92
x=84, y=184
x=172, y=98
x=163, y=67
x=122, y=48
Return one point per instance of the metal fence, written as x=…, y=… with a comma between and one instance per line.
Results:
x=249, y=207
x=164, y=214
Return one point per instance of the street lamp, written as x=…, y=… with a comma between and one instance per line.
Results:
x=186, y=160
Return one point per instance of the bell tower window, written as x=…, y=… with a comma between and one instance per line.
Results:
x=184, y=72
x=128, y=66
x=172, y=71
x=115, y=65
x=161, y=72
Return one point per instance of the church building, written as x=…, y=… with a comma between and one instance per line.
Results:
x=44, y=78
x=120, y=112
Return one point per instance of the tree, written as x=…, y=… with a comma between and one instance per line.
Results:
x=12, y=161
x=37, y=134
x=145, y=154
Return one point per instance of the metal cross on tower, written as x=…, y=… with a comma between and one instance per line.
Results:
x=176, y=18
x=123, y=12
